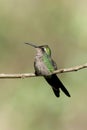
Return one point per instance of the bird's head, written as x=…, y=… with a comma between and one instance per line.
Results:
x=42, y=48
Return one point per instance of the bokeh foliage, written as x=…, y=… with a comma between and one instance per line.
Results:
x=29, y=103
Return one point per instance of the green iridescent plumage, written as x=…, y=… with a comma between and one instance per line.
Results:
x=48, y=62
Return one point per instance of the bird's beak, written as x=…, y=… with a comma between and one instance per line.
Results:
x=31, y=44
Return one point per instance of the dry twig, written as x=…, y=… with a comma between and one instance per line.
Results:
x=27, y=75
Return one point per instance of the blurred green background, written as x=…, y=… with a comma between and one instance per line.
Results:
x=30, y=104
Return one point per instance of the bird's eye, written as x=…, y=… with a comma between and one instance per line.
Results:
x=43, y=49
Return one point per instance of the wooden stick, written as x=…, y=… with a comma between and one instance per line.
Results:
x=27, y=75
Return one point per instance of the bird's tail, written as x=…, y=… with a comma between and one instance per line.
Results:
x=56, y=85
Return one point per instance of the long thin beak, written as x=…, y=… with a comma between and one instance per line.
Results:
x=32, y=44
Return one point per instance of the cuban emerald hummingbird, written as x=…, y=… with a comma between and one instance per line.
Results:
x=44, y=65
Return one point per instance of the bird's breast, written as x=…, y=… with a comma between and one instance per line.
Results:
x=40, y=67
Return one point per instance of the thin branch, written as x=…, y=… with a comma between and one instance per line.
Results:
x=13, y=76
x=27, y=75
x=72, y=69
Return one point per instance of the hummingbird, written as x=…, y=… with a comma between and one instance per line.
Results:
x=44, y=66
